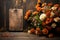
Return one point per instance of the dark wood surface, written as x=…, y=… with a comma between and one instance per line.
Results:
x=23, y=36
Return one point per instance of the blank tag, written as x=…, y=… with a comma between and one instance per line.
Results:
x=16, y=20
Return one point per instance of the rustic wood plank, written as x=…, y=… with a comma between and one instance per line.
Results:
x=23, y=36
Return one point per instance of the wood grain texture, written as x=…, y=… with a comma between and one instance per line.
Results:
x=23, y=36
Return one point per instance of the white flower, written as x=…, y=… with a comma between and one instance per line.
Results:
x=53, y=25
x=52, y=14
x=56, y=19
x=42, y=17
x=54, y=8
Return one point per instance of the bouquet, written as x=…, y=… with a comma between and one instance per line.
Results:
x=45, y=20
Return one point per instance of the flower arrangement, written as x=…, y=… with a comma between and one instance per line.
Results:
x=45, y=20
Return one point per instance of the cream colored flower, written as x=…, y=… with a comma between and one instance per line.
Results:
x=53, y=25
x=56, y=19
x=54, y=8
x=52, y=14
x=42, y=17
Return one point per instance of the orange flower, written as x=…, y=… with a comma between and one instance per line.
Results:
x=25, y=17
x=37, y=5
x=37, y=29
x=32, y=30
x=38, y=9
x=49, y=20
x=45, y=31
x=28, y=12
x=34, y=13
